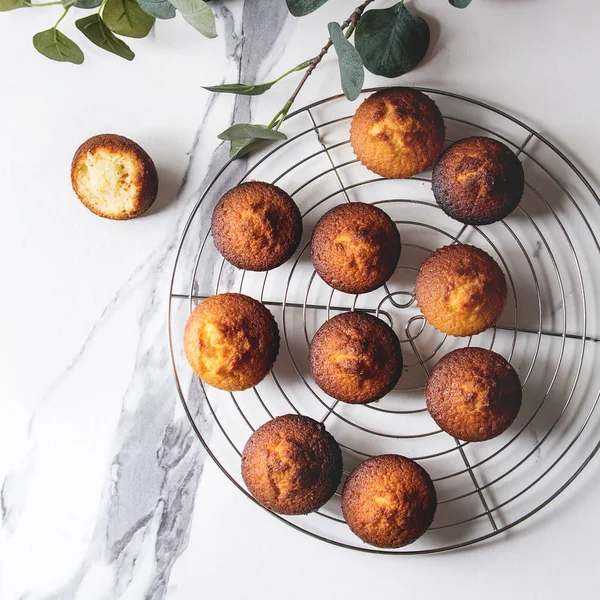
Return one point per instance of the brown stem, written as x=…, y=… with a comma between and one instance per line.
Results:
x=351, y=20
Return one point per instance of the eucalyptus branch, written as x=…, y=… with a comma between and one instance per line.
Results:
x=67, y=6
x=349, y=23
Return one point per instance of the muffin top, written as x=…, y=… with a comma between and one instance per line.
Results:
x=355, y=247
x=478, y=181
x=397, y=132
x=460, y=290
x=256, y=226
x=292, y=465
x=356, y=358
x=231, y=341
x=389, y=501
x=473, y=394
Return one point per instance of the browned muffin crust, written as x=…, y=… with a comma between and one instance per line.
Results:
x=389, y=501
x=461, y=290
x=256, y=226
x=356, y=358
x=473, y=394
x=397, y=132
x=135, y=177
x=292, y=465
x=355, y=247
x=231, y=341
x=478, y=181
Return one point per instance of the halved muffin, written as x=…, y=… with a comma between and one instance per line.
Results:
x=114, y=177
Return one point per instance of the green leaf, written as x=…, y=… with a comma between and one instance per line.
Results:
x=246, y=131
x=126, y=17
x=460, y=3
x=95, y=30
x=239, y=148
x=241, y=88
x=87, y=3
x=6, y=5
x=199, y=15
x=391, y=41
x=57, y=46
x=161, y=9
x=352, y=72
x=257, y=89
x=299, y=8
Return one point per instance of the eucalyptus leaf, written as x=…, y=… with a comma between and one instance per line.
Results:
x=87, y=3
x=199, y=15
x=239, y=148
x=299, y=8
x=352, y=72
x=6, y=5
x=161, y=9
x=95, y=30
x=241, y=88
x=391, y=41
x=460, y=3
x=246, y=131
x=126, y=17
x=57, y=46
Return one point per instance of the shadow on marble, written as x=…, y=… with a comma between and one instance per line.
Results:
x=169, y=184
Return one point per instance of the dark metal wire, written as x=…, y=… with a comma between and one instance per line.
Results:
x=330, y=407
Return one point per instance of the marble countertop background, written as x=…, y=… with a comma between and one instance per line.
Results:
x=105, y=491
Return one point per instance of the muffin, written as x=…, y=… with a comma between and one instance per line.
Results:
x=114, y=177
x=256, y=226
x=460, y=290
x=473, y=394
x=389, y=501
x=231, y=341
x=355, y=247
x=397, y=132
x=356, y=358
x=478, y=181
x=292, y=465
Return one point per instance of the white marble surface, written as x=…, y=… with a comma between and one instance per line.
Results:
x=105, y=490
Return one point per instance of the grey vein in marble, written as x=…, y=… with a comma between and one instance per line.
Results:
x=146, y=508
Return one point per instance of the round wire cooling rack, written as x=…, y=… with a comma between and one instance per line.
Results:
x=548, y=250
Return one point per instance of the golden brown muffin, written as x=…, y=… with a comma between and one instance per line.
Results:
x=114, y=177
x=460, y=290
x=397, y=132
x=355, y=247
x=356, y=358
x=231, y=341
x=473, y=394
x=256, y=226
x=389, y=501
x=292, y=465
x=478, y=181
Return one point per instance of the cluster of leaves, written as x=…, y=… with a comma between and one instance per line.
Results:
x=127, y=18
x=387, y=42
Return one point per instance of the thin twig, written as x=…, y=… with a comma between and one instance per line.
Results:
x=351, y=21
